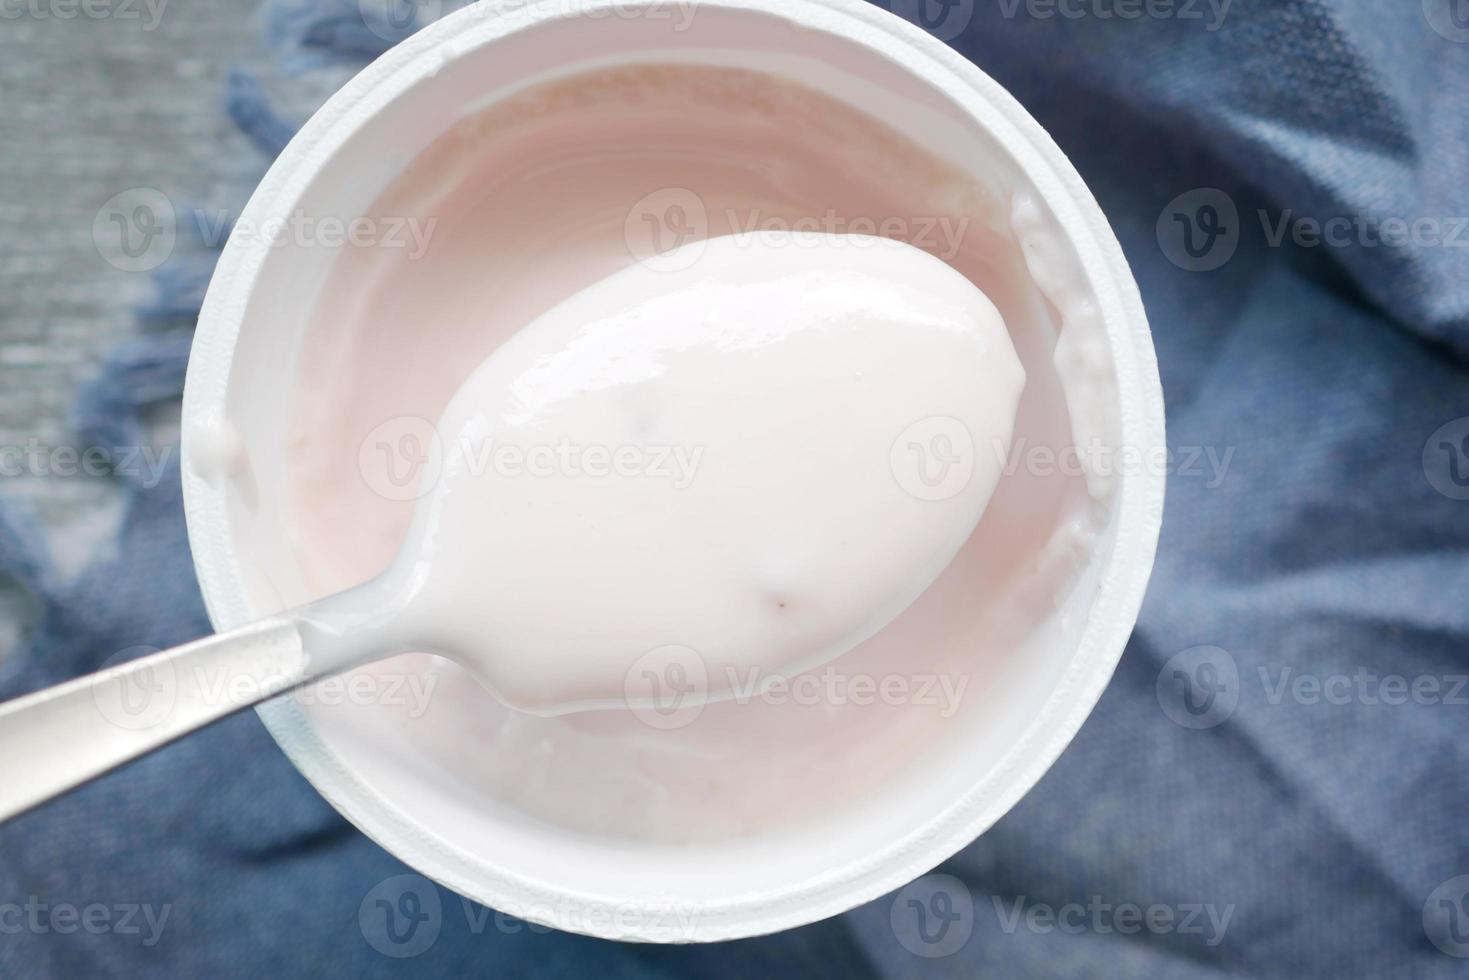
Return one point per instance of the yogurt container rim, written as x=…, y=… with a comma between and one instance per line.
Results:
x=1138, y=502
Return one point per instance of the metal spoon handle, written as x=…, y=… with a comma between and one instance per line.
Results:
x=58, y=738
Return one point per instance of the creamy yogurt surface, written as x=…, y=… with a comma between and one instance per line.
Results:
x=544, y=195
x=690, y=476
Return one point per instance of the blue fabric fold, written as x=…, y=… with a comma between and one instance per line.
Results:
x=1330, y=541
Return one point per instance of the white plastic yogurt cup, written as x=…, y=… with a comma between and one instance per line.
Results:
x=237, y=407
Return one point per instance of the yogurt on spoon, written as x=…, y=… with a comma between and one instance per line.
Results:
x=737, y=462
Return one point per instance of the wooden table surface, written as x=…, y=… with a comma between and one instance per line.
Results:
x=91, y=107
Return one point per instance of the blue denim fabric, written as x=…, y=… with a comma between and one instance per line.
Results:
x=1207, y=782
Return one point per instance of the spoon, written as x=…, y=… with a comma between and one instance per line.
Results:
x=691, y=478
